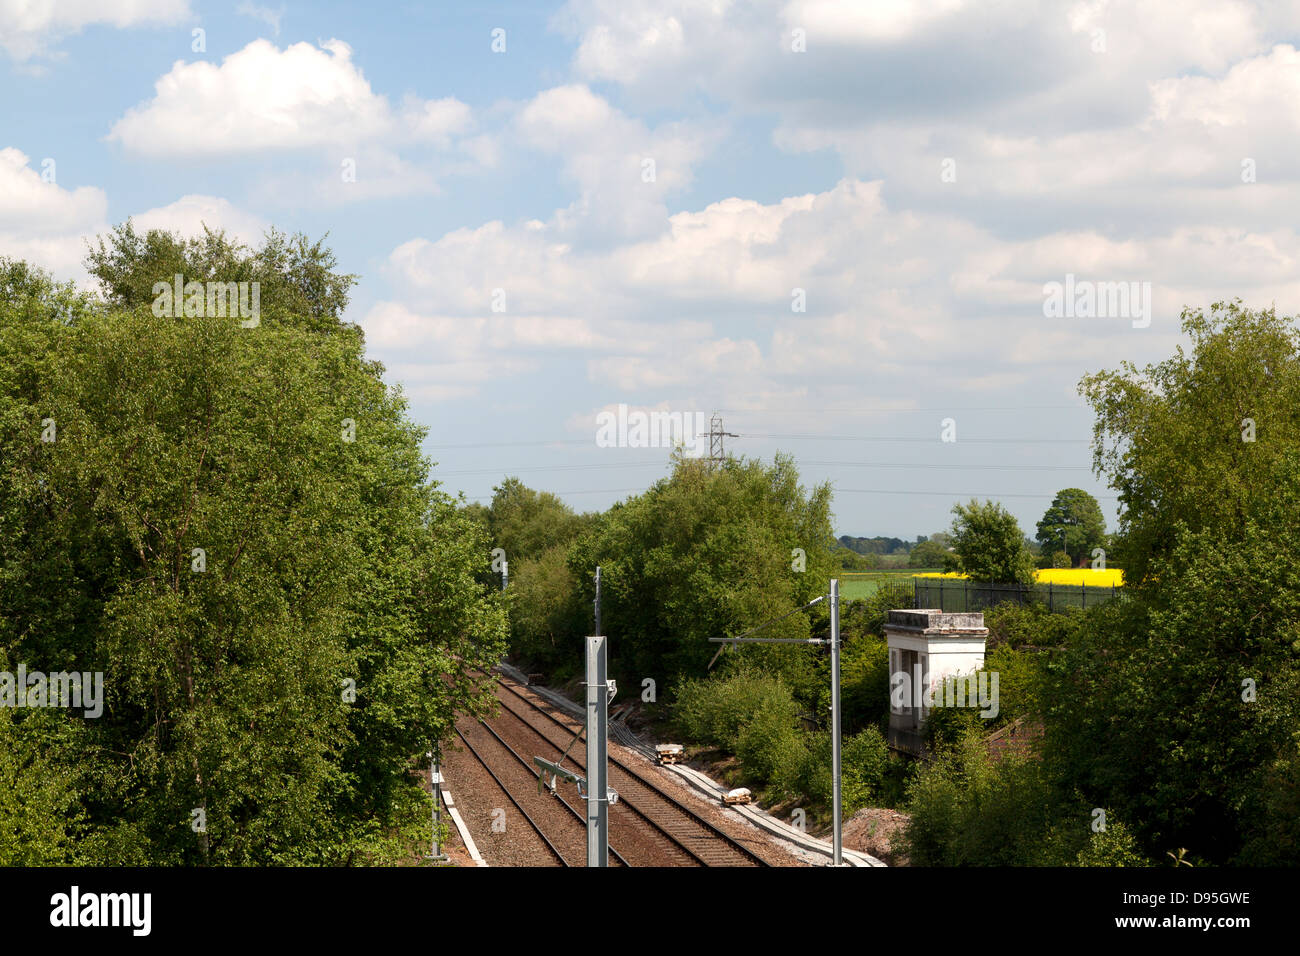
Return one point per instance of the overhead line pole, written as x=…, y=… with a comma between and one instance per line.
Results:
x=600, y=691
x=834, y=642
x=597, y=744
x=597, y=754
x=838, y=840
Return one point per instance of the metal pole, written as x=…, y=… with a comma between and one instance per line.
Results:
x=597, y=768
x=835, y=721
x=435, y=784
x=598, y=629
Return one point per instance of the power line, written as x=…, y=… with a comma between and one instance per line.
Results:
x=587, y=491
x=954, y=494
x=516, y=444
x=944, y=408
x=854, y=491
x=943, y=467
x=885, y=438
x=836, y=464
x=590, y=443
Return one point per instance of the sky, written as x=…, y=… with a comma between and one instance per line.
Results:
x=887, y=238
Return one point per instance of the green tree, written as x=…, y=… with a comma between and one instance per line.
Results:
x=525, y=523
x=928, y=554
x=846, y=559
x=989, y=544
x=548, y=618
x=710, y=552
x=1073, y=523
x=40, y=815
x=184, y=510
x=1179, y=706
x=298, y=284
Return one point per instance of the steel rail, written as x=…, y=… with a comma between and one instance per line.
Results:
x=731, y=842
x=509, y=796
x=531, y=769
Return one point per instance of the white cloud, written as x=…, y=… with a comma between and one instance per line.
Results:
x=29, y=27
x=50, y=226
x=189, y=214
x=268, y=16
x=43, y=222
x=37, y=207
x=888, y=20
x=1153, y=130
x=263, y=99
x=1257, y=91
x=709, y=300
x=624, y=169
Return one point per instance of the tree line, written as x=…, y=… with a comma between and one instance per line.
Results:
x=236, y=527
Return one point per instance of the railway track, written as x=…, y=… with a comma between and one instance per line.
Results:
x=700, y=841
x=509, y=796
x=615, y=856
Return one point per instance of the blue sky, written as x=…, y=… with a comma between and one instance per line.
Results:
x=920, y=170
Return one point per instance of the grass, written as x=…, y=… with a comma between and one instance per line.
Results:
x=860, y=585
x=859, y=590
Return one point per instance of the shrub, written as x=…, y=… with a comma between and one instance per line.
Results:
x=1020, y=678
x=790, y=779
x=864, y=760
x=766, y=735
x=38, y=799
x=1113, y=846
x=864, y=682
x=969, y=810
x=716, y=711
x=1016, y=625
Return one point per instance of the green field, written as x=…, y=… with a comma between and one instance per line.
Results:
x=861, y=585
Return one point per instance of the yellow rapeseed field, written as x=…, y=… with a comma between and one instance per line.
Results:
x=1112, y=577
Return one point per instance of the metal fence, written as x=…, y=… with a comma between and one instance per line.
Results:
x=959, y=594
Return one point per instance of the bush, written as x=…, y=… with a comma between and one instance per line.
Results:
x=1033, y=624
x=716, y=711
x=949, y=726
x=767, y=735
x=790, y=779
x=969, y=810
x=1273, y=834
x=864, y=682
x=1113, y=846
x=1020, y=679
x=804, y=769
x=864, y=761
x=38, y=799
